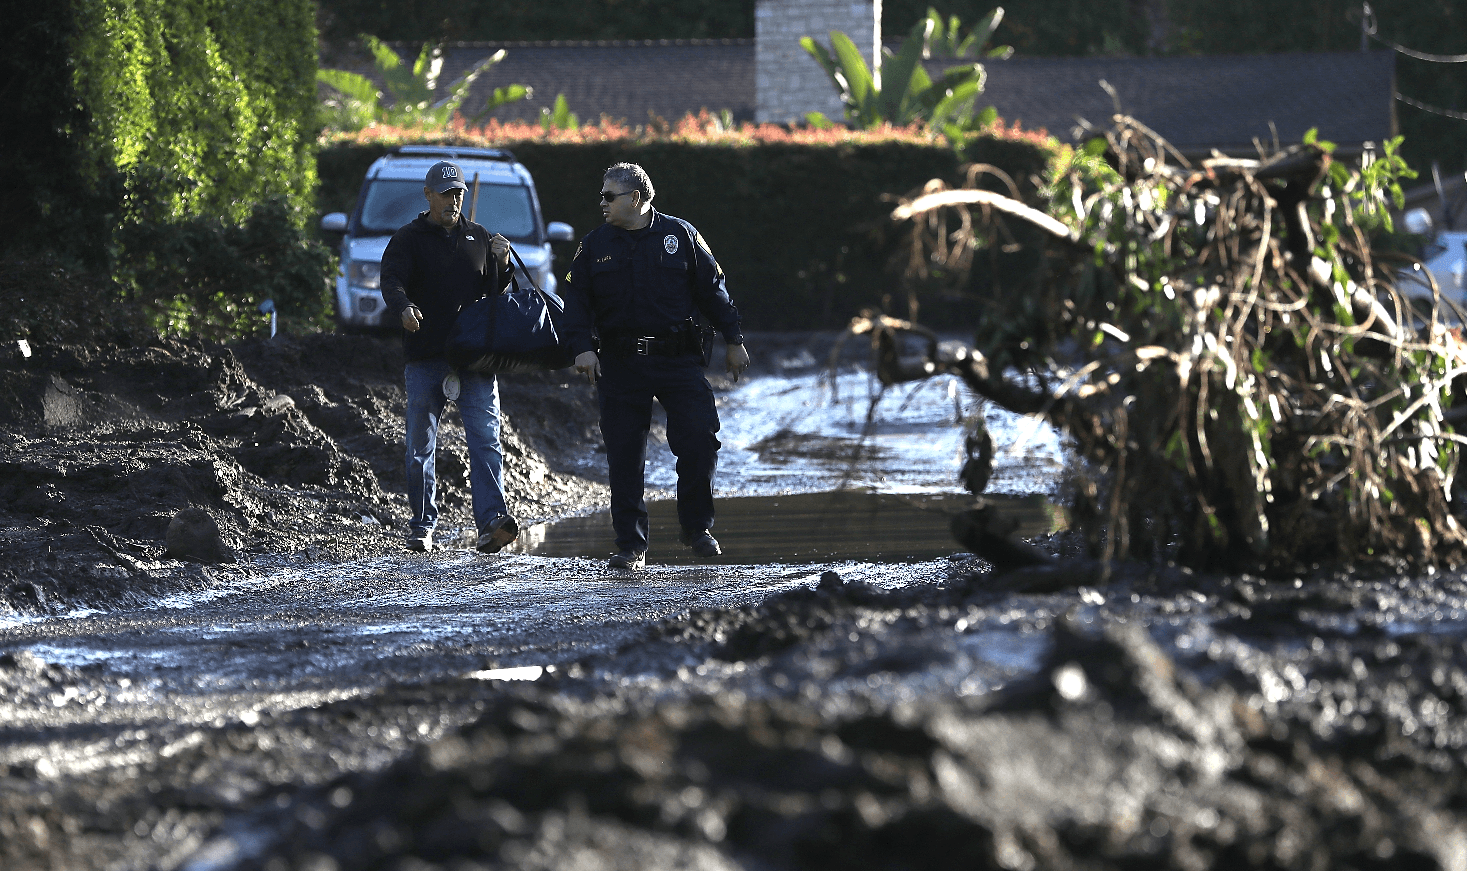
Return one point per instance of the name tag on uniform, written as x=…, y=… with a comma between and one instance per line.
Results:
x=604, y=259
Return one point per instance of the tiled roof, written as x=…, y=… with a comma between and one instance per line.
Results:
x=1200, y=103
x=624, y=80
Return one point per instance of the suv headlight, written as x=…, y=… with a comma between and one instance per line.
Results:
x=363, y=273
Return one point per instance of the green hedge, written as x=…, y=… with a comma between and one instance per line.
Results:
x=799, y=229
x=214, y=100
x=149, y=119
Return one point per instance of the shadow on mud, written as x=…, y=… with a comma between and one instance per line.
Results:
x=803, y=528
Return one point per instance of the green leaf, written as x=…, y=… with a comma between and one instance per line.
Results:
x=383, y=57
x=401, y=81
x=428, y=65
x=460, y=89
x=902, y=81
x=560, y=117
x=822, y=56
x=501, y=96
x=859, y=83
x=925, y=31
x=958, y=106
x=353, y=85
x=983, y=30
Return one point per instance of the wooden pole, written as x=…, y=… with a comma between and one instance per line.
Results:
x=474, y=203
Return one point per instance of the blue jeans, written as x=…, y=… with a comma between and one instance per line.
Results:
x=478, y=405
x=626, y=389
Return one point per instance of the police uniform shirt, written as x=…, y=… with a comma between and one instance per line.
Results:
x=645, y=283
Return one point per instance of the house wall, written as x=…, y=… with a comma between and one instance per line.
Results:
x=789, y=82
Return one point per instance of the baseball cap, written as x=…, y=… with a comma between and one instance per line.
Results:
x=445, y=175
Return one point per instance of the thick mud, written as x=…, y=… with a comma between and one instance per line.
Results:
x=312, y=697
x=288, y=445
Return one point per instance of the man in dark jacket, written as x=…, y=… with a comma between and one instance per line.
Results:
x=636, y=283
x=431, y=269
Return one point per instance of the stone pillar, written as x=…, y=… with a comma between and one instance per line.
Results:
x=789, y=82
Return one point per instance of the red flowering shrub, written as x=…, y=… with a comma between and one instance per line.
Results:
x=704, y=128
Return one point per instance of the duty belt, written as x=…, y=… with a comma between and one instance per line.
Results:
x=644, y=346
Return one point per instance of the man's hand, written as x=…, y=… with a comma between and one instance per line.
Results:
x=499, y=247
x=588, y=364
x=411, y=318
x=738, y=360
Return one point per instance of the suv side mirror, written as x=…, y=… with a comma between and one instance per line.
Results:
x=558, y=231
x=334, y=222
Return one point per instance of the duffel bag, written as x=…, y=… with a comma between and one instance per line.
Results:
x=510, y=331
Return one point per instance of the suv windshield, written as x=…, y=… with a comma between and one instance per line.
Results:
x=388, y=204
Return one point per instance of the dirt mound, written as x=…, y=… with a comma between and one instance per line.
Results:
x=1112, y=756
x=289, y=444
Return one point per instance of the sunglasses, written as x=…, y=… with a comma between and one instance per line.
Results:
x=608, y=196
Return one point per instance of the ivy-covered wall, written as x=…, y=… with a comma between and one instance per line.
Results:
x=169, y=108
x=799, y=229
x=209, y=104
x=190, y=121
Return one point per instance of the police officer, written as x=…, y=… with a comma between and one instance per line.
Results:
x=433, y=267
x=635, y=283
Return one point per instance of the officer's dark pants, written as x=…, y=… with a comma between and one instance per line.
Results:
x=626, y=389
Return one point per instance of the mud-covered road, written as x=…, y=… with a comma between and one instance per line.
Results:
x=306, y=695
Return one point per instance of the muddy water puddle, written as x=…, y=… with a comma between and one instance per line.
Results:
x=812, y=432
x=835, y=526
x=818, y=467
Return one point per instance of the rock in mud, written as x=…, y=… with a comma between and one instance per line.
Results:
x=62, y=405
x=992, y=535
x=193, y=535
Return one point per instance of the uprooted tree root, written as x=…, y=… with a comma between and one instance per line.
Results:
x=1243, y=376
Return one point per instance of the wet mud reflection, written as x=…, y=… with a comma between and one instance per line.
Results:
x=834, y=526
x=805, y=476
x=809, y=433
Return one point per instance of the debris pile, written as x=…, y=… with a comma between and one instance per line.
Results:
x=1223, y=346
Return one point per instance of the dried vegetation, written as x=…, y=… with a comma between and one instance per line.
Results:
x=1245, y=382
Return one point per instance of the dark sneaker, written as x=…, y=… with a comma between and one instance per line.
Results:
x=420, y=541
x=702, y=542
x=628, y=559
x=501, y=531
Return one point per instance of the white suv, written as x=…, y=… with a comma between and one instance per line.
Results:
x=1445, y=257
x=501, y=197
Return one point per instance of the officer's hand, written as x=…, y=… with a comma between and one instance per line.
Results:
x=738, y=360
x=589, y=364
x=499, y=247
x=411, y=318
